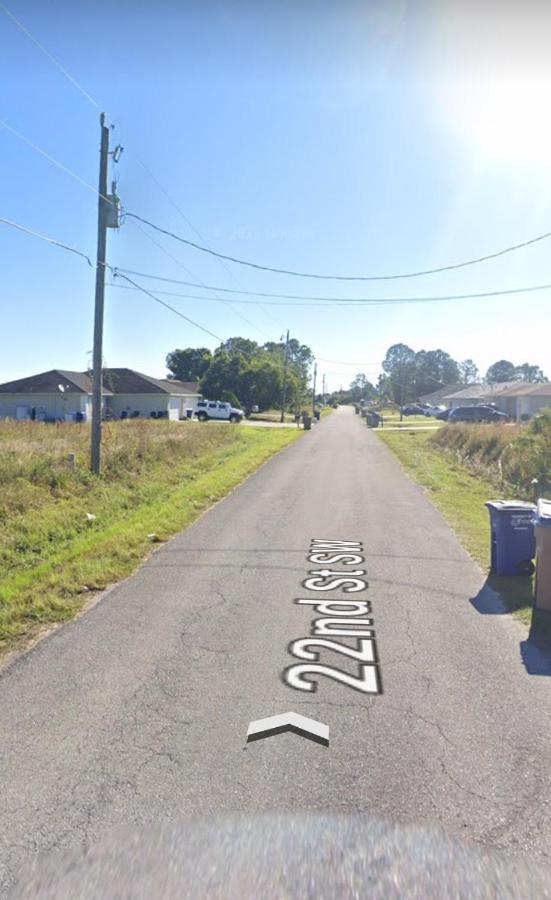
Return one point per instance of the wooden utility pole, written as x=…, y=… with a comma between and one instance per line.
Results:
x=314, y=388
x=284, y=391
x=97, y=361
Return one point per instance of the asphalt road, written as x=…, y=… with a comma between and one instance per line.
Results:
x=137, y=712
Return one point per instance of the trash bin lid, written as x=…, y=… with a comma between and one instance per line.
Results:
x=543, y=515
x=514, y=505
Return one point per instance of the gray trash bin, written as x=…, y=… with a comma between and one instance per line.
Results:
x=307, y=420
x=542, y=527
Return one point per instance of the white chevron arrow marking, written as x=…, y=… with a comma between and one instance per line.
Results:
x=289, y=721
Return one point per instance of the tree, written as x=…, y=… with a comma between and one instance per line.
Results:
x=468, y=372
x=361, y=388
x=239, y=345
x=531, y=374
x=433, y=369
x=190, y=364
x=241, y=369
x=223, y=374
x=399, y=365
x=500, y=371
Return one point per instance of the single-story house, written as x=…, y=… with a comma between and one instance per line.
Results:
x=50, y=396
x=133, y=392
x=477, y=394
x=524, y=400
x=67, y=396
x=437, y=398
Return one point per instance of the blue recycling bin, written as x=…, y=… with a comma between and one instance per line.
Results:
x=513, y=542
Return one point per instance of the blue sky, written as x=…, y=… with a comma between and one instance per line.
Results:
x=350, y=137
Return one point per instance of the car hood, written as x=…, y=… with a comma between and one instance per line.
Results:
x=281, y=855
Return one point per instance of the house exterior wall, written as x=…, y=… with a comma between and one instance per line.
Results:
x=187, y=401
x=55, y=406
x=530, y=405
x=455, y=402
x=174, y=408
x=145, y=404
x=507, y=405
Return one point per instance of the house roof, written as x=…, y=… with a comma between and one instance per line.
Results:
x=525, y=389
x=54, y=381
x=120, y=381
x=481, y=391
x=128, y=381
x=436, y=396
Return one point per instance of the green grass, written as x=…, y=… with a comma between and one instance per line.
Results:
x=391, y=417
x=158, y=477
x=271, y=415
x=408, y=421
x=460, y=494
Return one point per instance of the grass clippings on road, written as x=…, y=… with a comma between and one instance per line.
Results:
x=460, y=494
x=66, y=533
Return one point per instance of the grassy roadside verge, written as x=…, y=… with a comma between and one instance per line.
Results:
x=459, y=494
x=157, y=480
x=274, y=415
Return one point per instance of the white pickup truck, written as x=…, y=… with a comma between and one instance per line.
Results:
x=218, y=411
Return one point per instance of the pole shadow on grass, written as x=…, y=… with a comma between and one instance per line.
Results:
x=501, y=595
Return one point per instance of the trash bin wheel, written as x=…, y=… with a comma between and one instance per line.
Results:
x=526, y=567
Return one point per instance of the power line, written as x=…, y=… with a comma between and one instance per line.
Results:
x=200, y=284
x=52, y=58
x=201, y=237
x=118, y=274
x=335, y=301
x=53, y=160
x=252, y=265
x=115, y=272
x=49, y=240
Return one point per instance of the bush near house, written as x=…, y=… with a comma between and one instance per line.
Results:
x=512, y=454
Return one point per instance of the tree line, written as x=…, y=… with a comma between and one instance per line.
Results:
x=408, y=375
x=245, y=373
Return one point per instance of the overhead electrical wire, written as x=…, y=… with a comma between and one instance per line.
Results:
x=114, y=271
x=53, y=160
x=49, y=240
x=340, y=301
x=201, y=237
x=177, y=312
x=50, y=56
x=117, y=274
x=199, y=284
x=324, y=277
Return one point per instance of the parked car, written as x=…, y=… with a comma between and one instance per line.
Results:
x=477, y=414
x=413, y=409
x=444, y=414
x=433, y=410
x=218, y=411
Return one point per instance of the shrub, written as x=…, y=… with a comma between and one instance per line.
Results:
x=515, y=454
